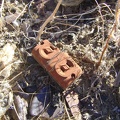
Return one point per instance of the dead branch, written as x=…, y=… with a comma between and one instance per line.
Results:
x=40, y=32
x=114, y=28
x=106, y=46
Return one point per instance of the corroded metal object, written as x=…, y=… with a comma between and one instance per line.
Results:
x=62, y=68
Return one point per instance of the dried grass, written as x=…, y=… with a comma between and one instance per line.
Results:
x=60, y=25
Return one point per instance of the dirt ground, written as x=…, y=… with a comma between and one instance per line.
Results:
x=80, y=31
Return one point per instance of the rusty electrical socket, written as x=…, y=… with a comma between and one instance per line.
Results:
x=61, y=67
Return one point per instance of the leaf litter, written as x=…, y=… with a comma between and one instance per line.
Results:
x=82, y=33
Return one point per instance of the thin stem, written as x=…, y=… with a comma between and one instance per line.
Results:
x=1, y=7
x=114, y=29
x=106, y=46
x=40, y=32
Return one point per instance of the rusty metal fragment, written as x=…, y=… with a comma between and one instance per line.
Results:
x=62, y=68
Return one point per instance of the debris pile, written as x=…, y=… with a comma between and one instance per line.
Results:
x=59, y=61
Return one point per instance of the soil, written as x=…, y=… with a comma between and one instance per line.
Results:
x=80, y=31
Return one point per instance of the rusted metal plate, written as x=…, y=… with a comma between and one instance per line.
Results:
x=63, y=69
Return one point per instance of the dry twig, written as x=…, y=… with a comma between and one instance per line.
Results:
x=48, y=20
x=114, y=28
x=106, y=45
x=117, y=14
x=1, y=8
